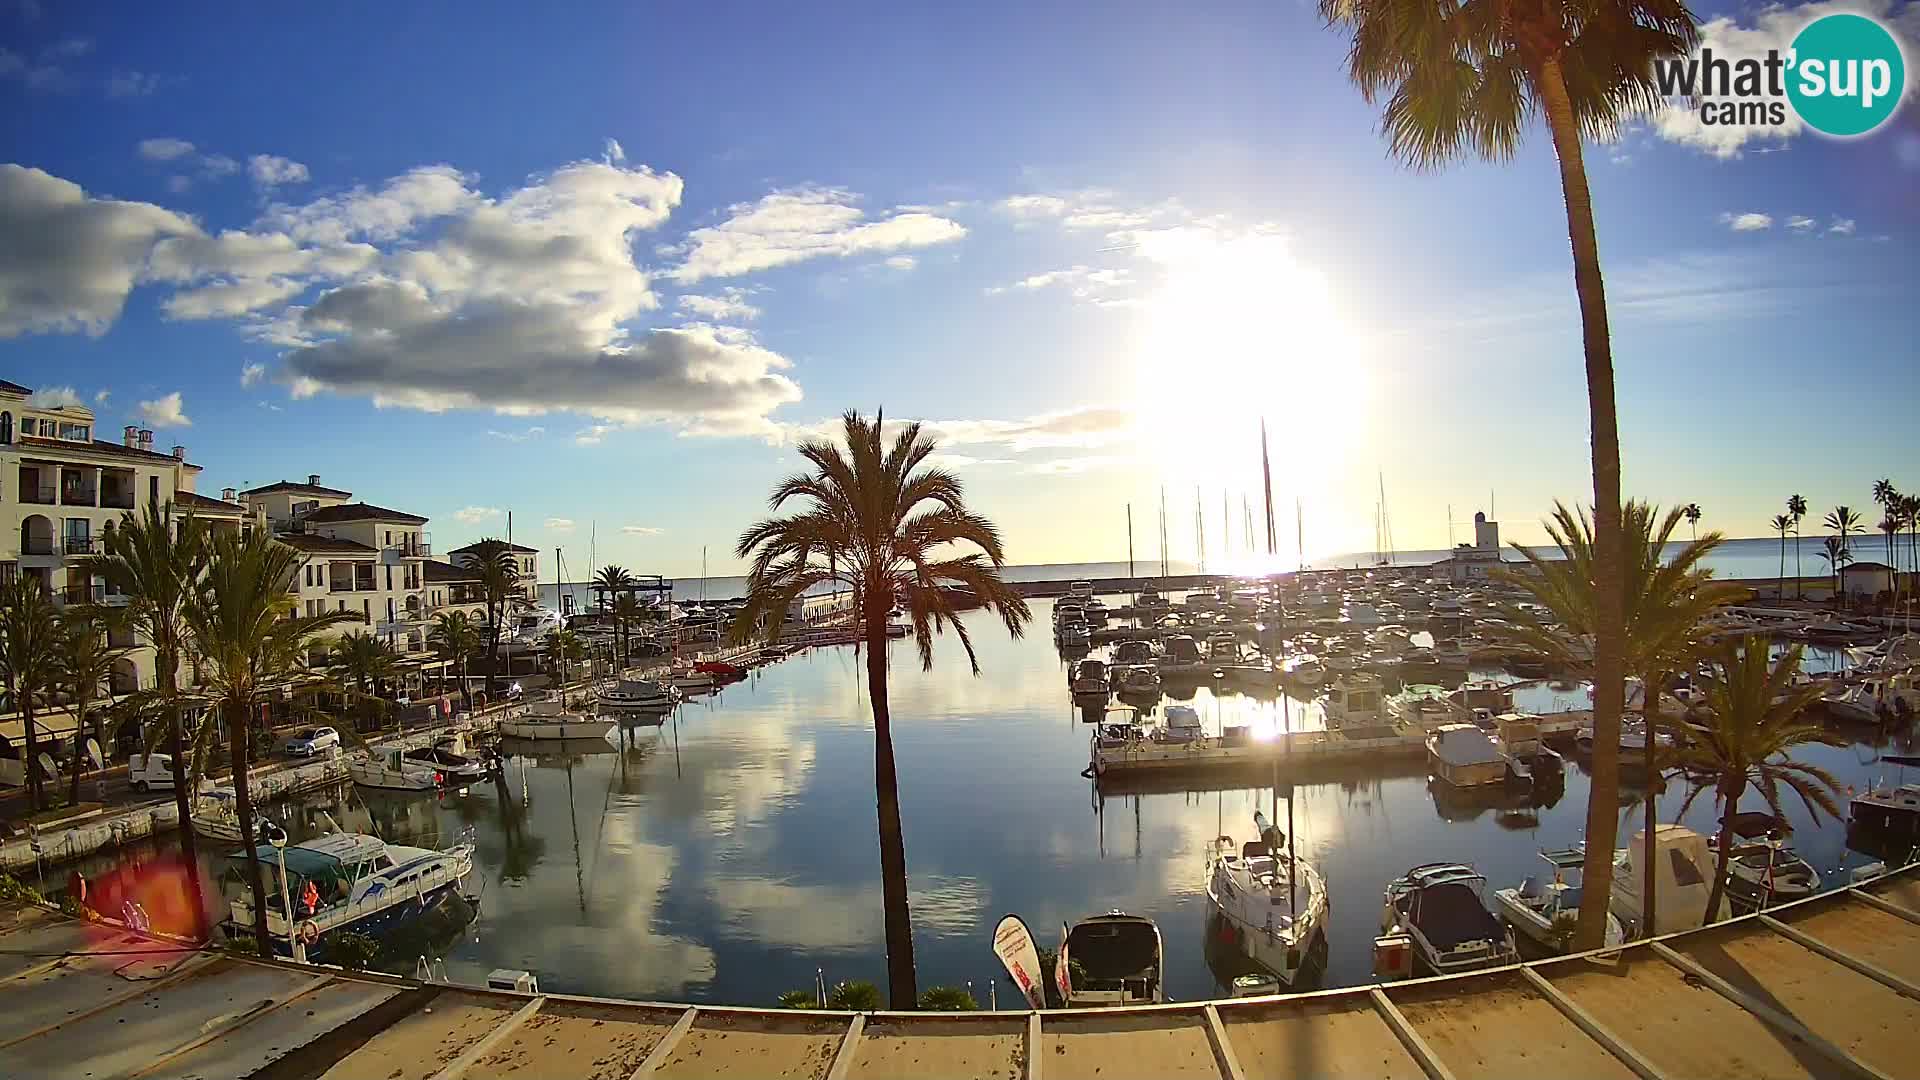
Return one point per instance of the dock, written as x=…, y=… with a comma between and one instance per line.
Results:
x=1828, y=986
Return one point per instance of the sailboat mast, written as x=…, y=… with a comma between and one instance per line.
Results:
x=1129, y=541
x=1266, y=484
x=1200, y=530
x=1299, y=534
x=1163, y=532
x=1226, y=528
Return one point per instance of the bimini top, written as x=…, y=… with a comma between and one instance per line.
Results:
x=1443, y=874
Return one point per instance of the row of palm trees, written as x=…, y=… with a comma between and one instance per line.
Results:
x=1900, y=513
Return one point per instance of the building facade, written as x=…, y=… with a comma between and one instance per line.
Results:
x=526, y=562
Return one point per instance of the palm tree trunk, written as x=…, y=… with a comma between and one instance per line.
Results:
x=1720, y=862
x=79, y=751
x=466, y=688
x=1796, y=562
x=168, y=662
x=239, y=735
x=901, y=992
x=35, y=797
x=1782, y=590
x=1609, y=644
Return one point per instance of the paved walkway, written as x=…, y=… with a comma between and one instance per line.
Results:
x=1826, y=987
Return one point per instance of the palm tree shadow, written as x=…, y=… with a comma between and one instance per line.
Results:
x=1713, y=955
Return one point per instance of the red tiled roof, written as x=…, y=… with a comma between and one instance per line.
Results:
x=325, y=545
x=361, y=512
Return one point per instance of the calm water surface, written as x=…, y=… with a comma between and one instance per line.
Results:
x=733, y=851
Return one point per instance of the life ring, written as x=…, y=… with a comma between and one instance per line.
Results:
x=309, y=932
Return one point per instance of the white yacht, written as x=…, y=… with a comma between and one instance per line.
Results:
x=392, y=770
x=1439, y=907
x=549, y=719
x=1546, y=911
x=1463, y=756
x=529, y=630
x=1119, y=958
x=644, y=694
x=1633, y=740
x=1182, y=657
x=346, y=881
x=1275, y=901
x=1355, y=699
x=216, y=814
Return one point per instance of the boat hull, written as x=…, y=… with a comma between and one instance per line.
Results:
x=556, y=730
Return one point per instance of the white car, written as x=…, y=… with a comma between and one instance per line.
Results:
x=310, y=741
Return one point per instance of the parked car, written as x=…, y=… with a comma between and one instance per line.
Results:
x=308, y=742
x=150, y=772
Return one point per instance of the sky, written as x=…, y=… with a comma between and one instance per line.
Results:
x=603, y=266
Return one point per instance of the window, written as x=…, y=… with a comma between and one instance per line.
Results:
x=389, y=574
x=76, y=433
x=26, y=425
x=6, y=427
x=389, y=537
x=342, y=603
x=153, y=490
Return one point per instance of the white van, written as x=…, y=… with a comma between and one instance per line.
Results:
x=150, y=772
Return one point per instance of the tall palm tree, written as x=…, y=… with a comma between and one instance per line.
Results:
x=1781, y=523
x=875, y=520
x=83, y=663
x=1464, y=77
x=1836, y=555
x=1796, y=506
x=1693, y=513
x=610, y=584
x=499, y=574
x=628, y=612
x=1844, y=523
x=1666, y=603
x=455, y=636
x=1750, y=727
x=1891, y=525
x=157, y=560
x=29, y=660
x=366, y=660
x=247, y=637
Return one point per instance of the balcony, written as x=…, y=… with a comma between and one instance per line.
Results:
x=80, y=545
x=84, y=594
x=78, y=495
x=114, y=499
x=41, y=494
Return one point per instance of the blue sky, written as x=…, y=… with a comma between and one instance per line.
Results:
x=443, y=256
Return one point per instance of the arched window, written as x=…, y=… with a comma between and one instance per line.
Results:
x=6, y=428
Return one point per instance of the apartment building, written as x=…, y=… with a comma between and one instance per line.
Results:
x=526, y=563
x=360, y=558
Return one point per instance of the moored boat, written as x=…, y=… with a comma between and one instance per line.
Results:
x=1439, y=907
x=1545, y=912
x=1274, y=902
x=637, y=694
x=393, y=770
x=550, y=720
x=1463, y=756
x=347, y=881
x=1116, y=959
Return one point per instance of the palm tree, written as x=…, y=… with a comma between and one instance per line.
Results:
x=454, y=635
x=247, y=636
x=366, y=660
x=1464, y=77
x=610, y=582
x=564, y=648
x=1781, y=523
x=1889, y=498
x=1797, y=506
x=1692, y=512
x=1750, y=728
x=29, y=660
x=1891, y=525
x=874, y=520
x=627, y=611
x=83, y=665
x=1837, y=557
x=1666, y=602
x=1844, y=522
x=157, y=561
x=499, y=574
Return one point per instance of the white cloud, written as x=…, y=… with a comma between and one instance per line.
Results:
x=1075, y=465
x=270, y=406
x=474, y=515
x=125, y=84
x=411, y=199
x=53, y=397
x=1840, y=227
x=218, y=165
x=940, y=460
x=100, y=398
x=1084, y=428
x=1747, y=222
x=641, y=530
x=1771, y=27
x=730, y=305
x=901, y=262
x=528, y=435
x=252, y=373
x=1033, y=206
x=164, y=411
x=613, y=152
x=268, y=170
x=1083, y=282
x=559, y=524
x=1800, y=223
x=164, y=149
x=803, y=223
x=591, y=435
x=179, y=185
x=1089, y=208
x=69, y=260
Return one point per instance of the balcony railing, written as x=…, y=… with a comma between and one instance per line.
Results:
x=84, y=594
x=339, y=586
x=37, y=493
x=117, y=500
x=36, y=545
x=79, y=496
x=80, y=545
x=418, y=549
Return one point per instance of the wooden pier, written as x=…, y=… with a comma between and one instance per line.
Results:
x=1828, y=986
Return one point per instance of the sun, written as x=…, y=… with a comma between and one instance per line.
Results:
x=1241, y=331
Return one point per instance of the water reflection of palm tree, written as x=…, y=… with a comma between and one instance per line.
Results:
x=522, y=852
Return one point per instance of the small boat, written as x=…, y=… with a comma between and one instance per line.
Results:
x=216, y=814
x=346, y=881
x=1463, y=756
x=392, y=770
x=1139, y=679
x=1355, y=699
x=1096, y=610
x=720, y=669
x=637, y=694
x=1182, y=725
x=1074, y=635
x=1089, y=679
x=1182, y=657
x=1763, y=869
x=1223, y=647
x=1633, y=740
x=1305, y=672
x=550, y=720
x=458, y=768
x=691, y=679
x=1894, y=810
x=1546, y=911
x=1439, y=907
x=1118, y=958
x=1275, y=902
x=1135, y=652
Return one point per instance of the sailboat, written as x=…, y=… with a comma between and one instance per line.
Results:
x=1274, y=902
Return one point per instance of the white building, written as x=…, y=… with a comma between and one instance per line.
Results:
x=360, y=558
x=1472, y=562
x=526, y=564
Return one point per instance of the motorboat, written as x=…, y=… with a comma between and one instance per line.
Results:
x=1850, y=704
x=1136, y=652
x=1139, y=679
x=1448, y=652
x=1546, y=911
x=1529, y=757
x=216, y=814
x=458, y=768
x=1089, y=679
x=1685, y=880
x=1893, y=811
x=1096, y=610
x=1149, y=601
x=1485, y=694
x=550, y=719
x=1763, y=869
x=1463, y=756
x=1111, y=959
x=1182, y=725
x=393, y=770
x=1633, y=740
x=1182, y=657
x=1275, y=902
x=646, y=694
x=1304, y=671
x=346, y=881
x=1074, y=635
x=1223, y=647
x=689, y=678
x=1440, y=907
x=530, y=630
x=1355, y=700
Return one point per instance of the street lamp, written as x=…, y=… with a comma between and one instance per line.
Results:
x=278, y=838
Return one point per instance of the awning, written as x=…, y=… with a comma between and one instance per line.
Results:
x=57, y=725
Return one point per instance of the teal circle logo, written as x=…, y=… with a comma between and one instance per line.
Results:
x=1846, y=75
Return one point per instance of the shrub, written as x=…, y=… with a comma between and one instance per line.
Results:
x=948, y=999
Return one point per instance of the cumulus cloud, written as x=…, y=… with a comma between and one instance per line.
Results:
x=126, y=84
x=268, y=170
x=252, y=373
x=1089, y=208
x=1082, y=282
x=730, y=305
x=528, y=435
x=1075, y=465
x=1800, y=223
x=1747, y=222
x=70, y=259
x=53, y=397
x=641, y=530
x=803, y=223
x=1841, y=227
x=165, y=149
x=613, y=152
x=163, y=411
x=474, y=515
x=901, y=262
x=559, y=524
x=1772, y=27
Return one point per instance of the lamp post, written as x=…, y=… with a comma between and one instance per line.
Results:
x=279, y=841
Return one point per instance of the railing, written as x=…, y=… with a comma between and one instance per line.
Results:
x=115, y=500
x=84, y=594
x=418, y=549
x=339, y=586
x=79, y=545
x=37, y=493
x=79, y=496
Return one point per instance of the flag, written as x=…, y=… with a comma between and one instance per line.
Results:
x=1013, y=944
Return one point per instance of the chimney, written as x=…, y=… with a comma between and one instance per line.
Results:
x=313, y=479
x=146, y=439
x=226, y=494
x=132, y=436
x=179, y=452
